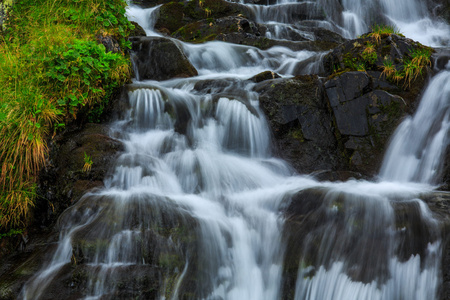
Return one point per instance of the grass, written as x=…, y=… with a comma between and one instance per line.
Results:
x=381, y=31
x=51, y=69
x=411, y=69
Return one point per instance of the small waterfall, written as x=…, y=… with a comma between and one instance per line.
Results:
x=419, y=143
x=198, y=208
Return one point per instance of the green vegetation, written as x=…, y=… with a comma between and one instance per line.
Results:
x=87, y=163
x=419, y=58
x=52, y=70
x=373, y=52
x=381, y=31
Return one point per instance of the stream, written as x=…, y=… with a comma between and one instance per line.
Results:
x=201, y=210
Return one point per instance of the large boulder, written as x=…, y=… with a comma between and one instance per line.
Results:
x=365, y=115
x=301, y=122
x=160, y=59
x=174, y=15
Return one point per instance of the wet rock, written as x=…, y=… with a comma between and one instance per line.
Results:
x=328, y=175
x=174, y=15
x=267, y=75
x=138, y=30
x=313, y=213
x=148, y=3
x=365, y=117
x=439, y=204
x=63, y=180
x=301, y=122
x=441, y=8
x=369, y=54
x=206, y=30
x=160, y=59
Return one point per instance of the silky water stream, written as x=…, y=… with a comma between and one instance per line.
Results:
x=199, y=212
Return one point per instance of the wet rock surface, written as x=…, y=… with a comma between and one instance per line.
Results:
x=160, y=59
x=305, y=214
x=301, y=122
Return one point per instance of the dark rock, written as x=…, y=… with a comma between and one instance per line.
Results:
x=63, y=180
x=138, y=30
x=446, y=171
x=313, y=213
x=441, y=9
x=206, y=30
x=353, y=55
x=160, y=59
x=301, y=122
x=110, y=43
x=148, y=3
x=175, y=15
x=365, y=117
x=267, y=75
x=439, y=204
x=328, y=175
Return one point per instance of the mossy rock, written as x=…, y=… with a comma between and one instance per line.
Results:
x=174, y=15
x=160, y=59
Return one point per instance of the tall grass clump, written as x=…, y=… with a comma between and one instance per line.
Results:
x=381, y=31
x=51, y=66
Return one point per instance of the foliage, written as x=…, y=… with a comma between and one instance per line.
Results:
x=369, y=55
x=87, y=163
x=388, y=68
x=51, y=66
x=381, y=31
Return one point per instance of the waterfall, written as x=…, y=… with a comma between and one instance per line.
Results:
x=200, y=211
x=418, y=145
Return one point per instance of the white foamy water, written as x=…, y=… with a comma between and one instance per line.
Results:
x=419, y=143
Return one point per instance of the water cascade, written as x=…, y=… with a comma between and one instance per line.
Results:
x=203, y=210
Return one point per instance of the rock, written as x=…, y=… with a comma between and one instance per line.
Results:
x=313, y=213
x=368, y=54
x=439, y=204
x=441, y=8
x=175, y=15
x=267, y=75
x=110, y=43
x=138, y=30
x=160, y=59
x=206, y=30
x=63, y=180
x=301, y=122
x=148, y=3
x=365, y=118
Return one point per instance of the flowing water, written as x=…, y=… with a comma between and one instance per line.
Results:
x=200, y=210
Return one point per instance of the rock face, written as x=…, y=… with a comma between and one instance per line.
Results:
x=343, y=122
x=160, y=59
x=62, y=183
x=365, y=117
x=308, y=220
x=301, y=122
x=200, y=21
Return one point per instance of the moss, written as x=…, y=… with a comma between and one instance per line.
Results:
x=297, y=134
x=171, y=16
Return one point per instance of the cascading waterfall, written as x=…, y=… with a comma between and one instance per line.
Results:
x=419, y=144
x=213, y=194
